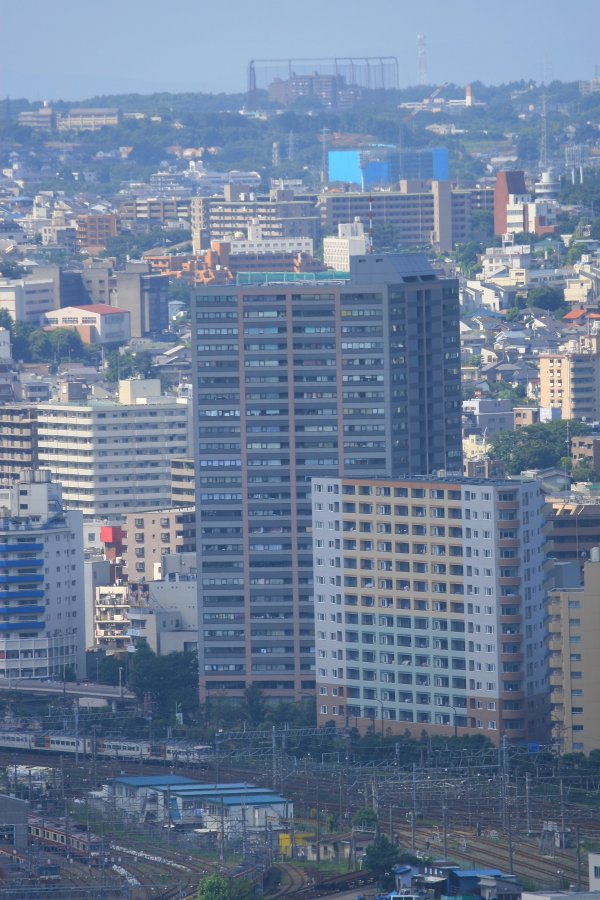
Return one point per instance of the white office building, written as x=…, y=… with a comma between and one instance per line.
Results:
x=41, y=581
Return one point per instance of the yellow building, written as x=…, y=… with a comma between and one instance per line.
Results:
x=571, y=382
x=573, y=636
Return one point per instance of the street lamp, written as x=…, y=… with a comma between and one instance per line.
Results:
x=121, y=682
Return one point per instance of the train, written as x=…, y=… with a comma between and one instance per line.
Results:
x=57, y=835
x=167, y=750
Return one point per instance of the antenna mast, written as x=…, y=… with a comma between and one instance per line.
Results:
x=422, y=59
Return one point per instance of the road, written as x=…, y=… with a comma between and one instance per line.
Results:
x=70, y=688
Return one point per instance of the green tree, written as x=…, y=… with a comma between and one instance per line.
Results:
x=170, y=680
x=537, y=446
x=213, y=887
x=6, y=320
x=126, y=365
x=241, y=889
x=254, y=707
x=66, y=344
x=513, y=314
x=467, y=257
x=584, y=471
x=381, y=856
x=11, y=269
x=109, y=670
x=40, y=346
x=546, y=297
x=20, y=348
x=364, y=818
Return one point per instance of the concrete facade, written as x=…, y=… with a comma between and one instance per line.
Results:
x=430, y=606
x=293, y=379
x=41, y=581
x=151, y=534
x=113, y=456
x=573, y=634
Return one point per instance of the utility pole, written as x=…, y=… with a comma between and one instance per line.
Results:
x=222, y=837
x=413, y=815
x=527, y=804
x=445, y=825
x=562, y=815
x=578, y=857
x=510, y=845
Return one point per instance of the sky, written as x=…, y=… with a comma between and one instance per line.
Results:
x=76, y=49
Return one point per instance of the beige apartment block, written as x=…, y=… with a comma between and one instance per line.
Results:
x=151, y=534
x=114, y=456
x=573, y=636
x=429, y=606
x=571, y=382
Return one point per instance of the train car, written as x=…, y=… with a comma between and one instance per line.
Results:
x=178, y=752
x=115, y=748
x=60, y=836
x=47, y=873
x=17, y=740
x=67, y=743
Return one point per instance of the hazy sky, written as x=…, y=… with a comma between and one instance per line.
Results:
x=71, y=49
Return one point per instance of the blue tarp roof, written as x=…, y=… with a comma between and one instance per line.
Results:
x=155, y=781
x=476, y=873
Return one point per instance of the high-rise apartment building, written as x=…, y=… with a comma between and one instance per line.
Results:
x=18, y=439
x=292, y=379
x=573, y=632
x=113, y=456
x=430, y=605
x=41, y=581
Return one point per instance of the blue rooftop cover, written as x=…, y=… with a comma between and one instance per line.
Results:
x=477, y=873
x=155, y=781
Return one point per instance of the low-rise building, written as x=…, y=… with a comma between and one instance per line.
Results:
x=13, y=824
x=95, y=324
x=173, y=800
x=95, y=230
x=164, y=614
x=586, y=448
x=27, y=299
x=89, y=119
x=111, y=620
x=351, y=240
x=489, y=416
x=153, y=533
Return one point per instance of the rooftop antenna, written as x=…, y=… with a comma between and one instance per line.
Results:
x=544, y=136
x=324, y=133
x=423, y=77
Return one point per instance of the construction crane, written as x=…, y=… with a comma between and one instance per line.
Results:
x=426, y=102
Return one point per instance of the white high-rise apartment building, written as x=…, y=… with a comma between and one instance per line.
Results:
x=430, y=605
x=113, y=456
x=42, y=607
